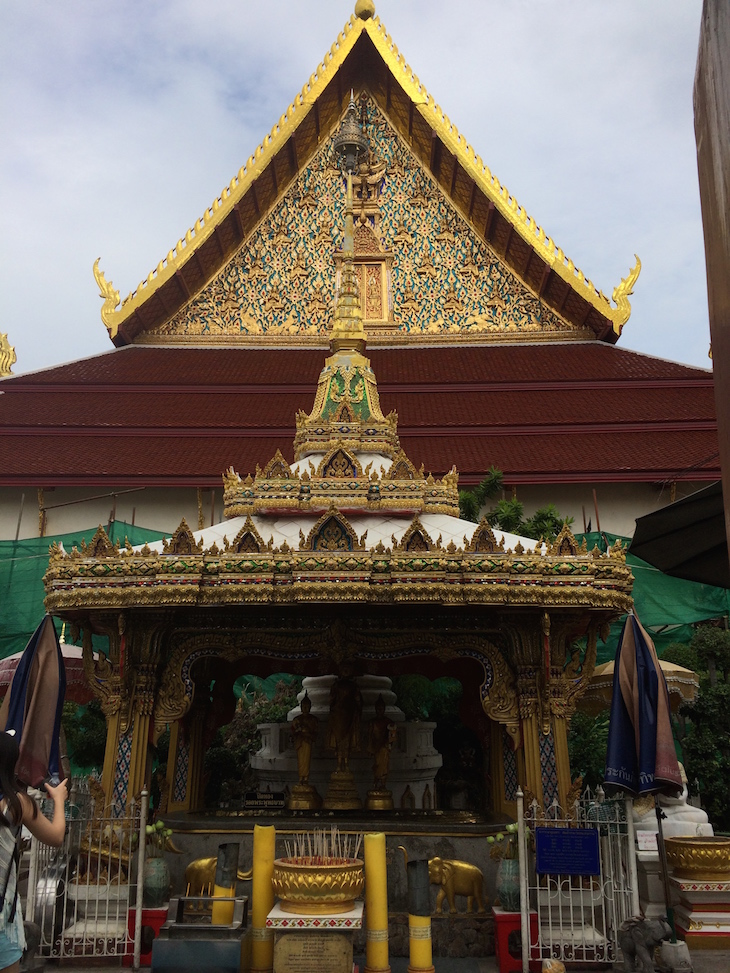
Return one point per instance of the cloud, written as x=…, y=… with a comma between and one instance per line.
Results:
x=123, y=120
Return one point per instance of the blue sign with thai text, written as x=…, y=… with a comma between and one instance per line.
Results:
x=566, y=851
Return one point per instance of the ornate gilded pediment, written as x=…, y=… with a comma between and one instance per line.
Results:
x=415, y=540
x=483, y=540
x=100, y=546
x=277, y=468
x=182, y=541
x=332, y=533
x=339, y=463
x=247, y=540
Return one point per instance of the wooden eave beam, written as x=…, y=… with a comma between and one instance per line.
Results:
x=387, y=91
x=238, y=220
x=435, y=158
x=491, y=209
x=410, y=120
x=454, y=174
x=198, y=264
x=293, y=157
x=510, y=233
x=219, y=241
x=255, y=198
x=182, y=284
x=316, y=117
x=546, y=271
x=274, y=180
x=525, y=269
x=472, y=198
x=585, y=317
x=567, y=291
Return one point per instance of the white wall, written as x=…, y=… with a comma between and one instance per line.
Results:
x=75, y=508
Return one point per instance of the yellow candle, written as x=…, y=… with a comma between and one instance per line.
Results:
x=222, y=911
x=419, y=936
x=376, y=905
x=262, y=899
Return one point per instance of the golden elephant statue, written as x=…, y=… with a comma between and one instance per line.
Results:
x=453, y=878
x=200, y=876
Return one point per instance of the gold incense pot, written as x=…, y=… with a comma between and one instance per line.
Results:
x=308, y=886
x=703, y=858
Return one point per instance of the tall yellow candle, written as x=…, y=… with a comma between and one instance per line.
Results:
x=419, y=940
x=262, y=899
x=222, y=914
x=376, y=905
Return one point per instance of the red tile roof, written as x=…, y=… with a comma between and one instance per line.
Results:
x=567, y=412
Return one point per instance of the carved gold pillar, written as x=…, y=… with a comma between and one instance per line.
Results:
x=139, y=731
x=530, y=725
x=185, y=764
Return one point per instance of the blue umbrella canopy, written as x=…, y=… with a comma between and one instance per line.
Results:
x=34, y=704
x=641, y=757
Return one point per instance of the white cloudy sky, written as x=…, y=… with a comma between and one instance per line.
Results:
x=122, y=119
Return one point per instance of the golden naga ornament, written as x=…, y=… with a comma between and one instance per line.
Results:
x=7, y=355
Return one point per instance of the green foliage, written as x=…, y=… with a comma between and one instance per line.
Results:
x=712, y=645
x=472, y=501
x=85, y=728
x=227, y=762
x=587, y=746
x=546, y=522
x=681, y=654
x=415, y=695
x=706, y=749
x=509, y=515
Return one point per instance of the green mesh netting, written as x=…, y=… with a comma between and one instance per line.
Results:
x=22, y=566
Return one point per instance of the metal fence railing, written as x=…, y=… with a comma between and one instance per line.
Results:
x=80, y=894
x=581, y=904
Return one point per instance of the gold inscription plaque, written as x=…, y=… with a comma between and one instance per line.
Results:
x=310, y=951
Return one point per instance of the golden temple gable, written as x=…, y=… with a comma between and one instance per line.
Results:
x=442, y=251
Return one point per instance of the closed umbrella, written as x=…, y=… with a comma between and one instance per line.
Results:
x=641, y=758
x=34, y=704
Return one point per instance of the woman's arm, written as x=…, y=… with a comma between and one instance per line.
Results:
x=49, y=832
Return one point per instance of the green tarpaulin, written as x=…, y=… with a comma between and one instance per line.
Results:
x=22, y=566
x=668, y=607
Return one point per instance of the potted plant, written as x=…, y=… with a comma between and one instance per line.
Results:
x=156, y=878
x=505, y=850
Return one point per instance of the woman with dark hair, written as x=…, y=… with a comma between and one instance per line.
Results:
x=18, y=809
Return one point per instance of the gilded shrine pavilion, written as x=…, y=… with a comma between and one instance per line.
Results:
x=349, y=558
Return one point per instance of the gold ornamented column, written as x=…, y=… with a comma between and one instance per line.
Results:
x=262, y=899
x=376, y=905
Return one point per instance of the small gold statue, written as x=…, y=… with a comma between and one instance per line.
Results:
x=304, y=731
x=343, y=737
x=382, y=731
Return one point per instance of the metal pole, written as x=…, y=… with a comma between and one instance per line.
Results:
x=524, y=898
x=140, y=875
x=665, y=868
x=633, y=870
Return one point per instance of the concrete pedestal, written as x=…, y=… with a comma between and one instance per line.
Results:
x=313, y=944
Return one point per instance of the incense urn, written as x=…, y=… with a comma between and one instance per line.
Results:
x=702, y=858
x=311, y=886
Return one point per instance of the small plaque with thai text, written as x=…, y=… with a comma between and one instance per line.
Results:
x=264, y=801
